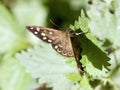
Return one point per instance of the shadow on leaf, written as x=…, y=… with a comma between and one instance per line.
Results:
x=94, y=54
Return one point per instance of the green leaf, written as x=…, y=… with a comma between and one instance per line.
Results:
x=13, y=76
x=50, y=67
x=94, y=59
x=7, y=36
x=103, y=24
x=106, y=26
x=85, y=83
x=29, y=12
x=9, y=33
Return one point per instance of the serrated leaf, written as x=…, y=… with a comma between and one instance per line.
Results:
x=93, y=57
x=13, y=76
x=48, y=66
x=104, y=24
x=83, y=22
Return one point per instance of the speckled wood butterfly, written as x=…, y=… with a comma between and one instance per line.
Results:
x=64, y=42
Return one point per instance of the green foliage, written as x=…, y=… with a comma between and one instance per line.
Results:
x=10, y=33
x=50, y=67
x=100, y=46
x=94, y=59
x=12, y=74
x=85, y=83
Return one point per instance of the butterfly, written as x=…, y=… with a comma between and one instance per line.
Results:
x=64, y=42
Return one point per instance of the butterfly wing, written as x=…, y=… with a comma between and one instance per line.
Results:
x=77, y=52
x=59, y=40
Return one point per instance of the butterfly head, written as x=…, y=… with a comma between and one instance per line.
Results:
x=75, y=34
x=70, y=32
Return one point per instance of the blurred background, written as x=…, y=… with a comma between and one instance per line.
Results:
x=16, y=14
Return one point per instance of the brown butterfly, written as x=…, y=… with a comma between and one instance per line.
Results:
x=64, y=42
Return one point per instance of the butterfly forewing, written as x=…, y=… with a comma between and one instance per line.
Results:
x=59, y=40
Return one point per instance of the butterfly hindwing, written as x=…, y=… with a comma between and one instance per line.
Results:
x=77, y=52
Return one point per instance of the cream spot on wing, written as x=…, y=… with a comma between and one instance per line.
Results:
x=35, y=32
x=70, y=54
x=56, y=47
x=58, y=50
x=64, y=53
x=38, y=29
x=49, y=40
x=50, y=32
x=43, y=34
x=31, y=28
x=44, y=38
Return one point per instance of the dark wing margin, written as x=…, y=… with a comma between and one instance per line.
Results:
x=77, y=53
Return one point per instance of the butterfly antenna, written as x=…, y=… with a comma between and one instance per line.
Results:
x=82, y=33
x=54, y=24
